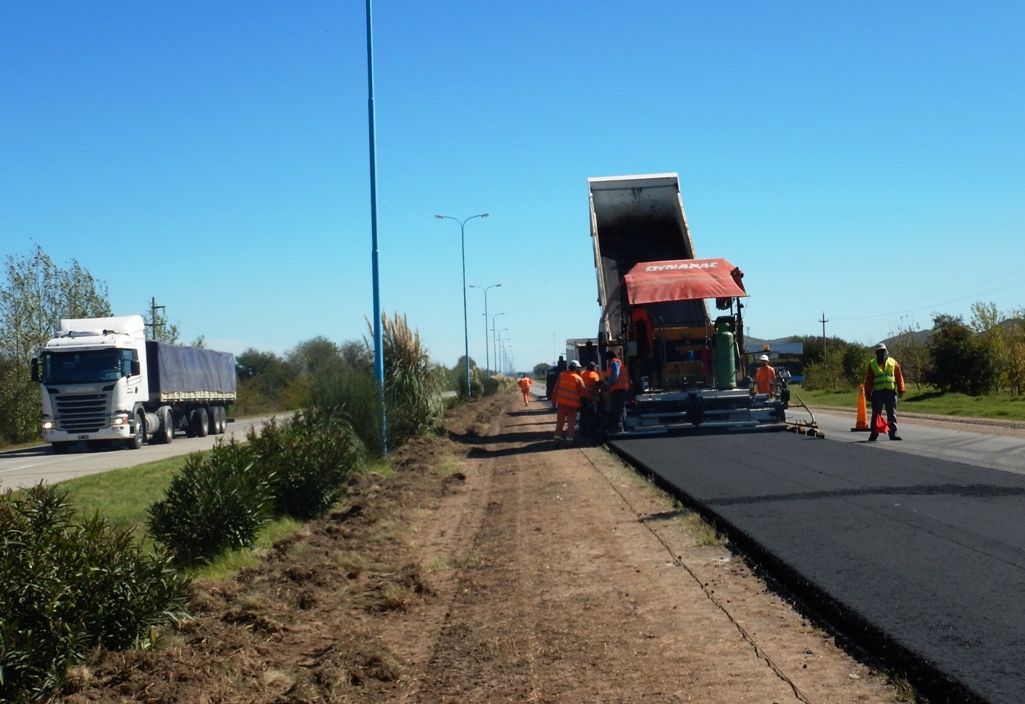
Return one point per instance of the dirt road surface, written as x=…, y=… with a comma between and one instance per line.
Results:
x=491, y=568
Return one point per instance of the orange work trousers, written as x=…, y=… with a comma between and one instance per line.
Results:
x=526, y=397
x=565, y=416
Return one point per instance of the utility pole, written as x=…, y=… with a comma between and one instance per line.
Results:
x=153, y=308
x=823, y=321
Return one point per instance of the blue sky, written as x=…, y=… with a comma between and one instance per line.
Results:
x=865, y=161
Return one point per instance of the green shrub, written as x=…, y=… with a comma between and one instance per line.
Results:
x=308, y=460
x=216, y=503
x=68, y=586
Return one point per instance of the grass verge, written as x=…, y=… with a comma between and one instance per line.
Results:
x=124, y=495
x=928, y=400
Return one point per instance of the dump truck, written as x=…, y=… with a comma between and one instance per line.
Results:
x=686, y=368
x=104, y=383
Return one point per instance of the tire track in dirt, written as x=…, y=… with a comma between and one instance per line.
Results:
x=571, y=597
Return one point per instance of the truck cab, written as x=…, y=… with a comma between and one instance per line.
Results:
x=94, y=382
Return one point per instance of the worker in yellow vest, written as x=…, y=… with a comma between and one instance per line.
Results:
x=884, y=384
x=568, y=390
x=618, y=382
x=524, y=383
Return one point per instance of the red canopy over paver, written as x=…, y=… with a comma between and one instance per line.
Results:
x=683, y=280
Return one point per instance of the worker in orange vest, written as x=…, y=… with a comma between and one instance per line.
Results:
x=618, y=381
x=765, y=376
x=568, y=390
x=524, y=384
x=589, y=400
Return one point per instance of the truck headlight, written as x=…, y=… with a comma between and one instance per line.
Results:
x=120, y=420
x=49, y=425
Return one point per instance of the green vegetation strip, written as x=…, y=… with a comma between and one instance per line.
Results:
x=928, y=400
x=123, y=496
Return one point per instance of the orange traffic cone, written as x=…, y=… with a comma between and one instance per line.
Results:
x=862, y=424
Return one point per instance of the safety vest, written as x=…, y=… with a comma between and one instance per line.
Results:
x=883, y=377
x=567, y=390
x=524, y=384
x=622, y=382
x=590, y=379
x=764, y=376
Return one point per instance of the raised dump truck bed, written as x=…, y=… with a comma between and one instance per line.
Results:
x=685, y=367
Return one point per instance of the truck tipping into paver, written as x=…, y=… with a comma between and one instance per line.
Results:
x=103, y=382
x=685, y=368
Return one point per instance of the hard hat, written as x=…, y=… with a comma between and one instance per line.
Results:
x=574, y=364
x=881, y=346
x=764, y=358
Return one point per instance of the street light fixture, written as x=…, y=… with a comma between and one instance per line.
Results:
x=466, y=324
x=487, y=355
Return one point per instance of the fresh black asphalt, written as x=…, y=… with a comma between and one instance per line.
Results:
x=923, y=558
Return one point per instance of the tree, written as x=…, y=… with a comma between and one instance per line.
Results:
x=33, y=299
x=909, y=350
x=37, y=294
x=960, y=358
x=541, y=370
x=1015, y=326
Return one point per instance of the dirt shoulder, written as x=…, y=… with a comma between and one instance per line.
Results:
x=491, y=568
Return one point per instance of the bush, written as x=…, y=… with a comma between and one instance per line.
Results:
x=216, y=503
x=308, y=461
x=71, y=586
x=961, y=362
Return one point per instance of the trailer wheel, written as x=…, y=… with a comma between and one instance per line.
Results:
x=167, y=426
x=61, y=448
x=200, y=423
x=222, y=420
x=135, y=442
x=212, y=416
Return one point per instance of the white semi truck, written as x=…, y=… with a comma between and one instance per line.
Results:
x=104, y=383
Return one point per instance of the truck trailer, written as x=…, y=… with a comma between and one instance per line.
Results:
x=104, y=383
x=686, y=369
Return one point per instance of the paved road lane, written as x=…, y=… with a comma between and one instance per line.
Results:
x=928, y=552
x=22, y=468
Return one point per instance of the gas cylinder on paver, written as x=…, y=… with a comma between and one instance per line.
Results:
x=725, y=365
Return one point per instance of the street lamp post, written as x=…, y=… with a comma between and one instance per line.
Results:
x=487, y=354
x=466, y=323
x=500, y=340
x=493, y=317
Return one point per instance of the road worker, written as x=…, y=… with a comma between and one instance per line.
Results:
x=884, y=384
x=568, y=391
x=589, y=400
x=765, y=376
x=524, y=384
x=618, y=383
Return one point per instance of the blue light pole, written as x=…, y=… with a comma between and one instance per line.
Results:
x=466, y=322
x=378, y=345
x=487, y=350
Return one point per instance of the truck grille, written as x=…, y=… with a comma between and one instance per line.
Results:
x=82, y=413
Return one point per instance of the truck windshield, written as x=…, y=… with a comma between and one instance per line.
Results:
x=82, y=367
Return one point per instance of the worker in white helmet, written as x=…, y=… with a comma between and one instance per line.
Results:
x=765, y=376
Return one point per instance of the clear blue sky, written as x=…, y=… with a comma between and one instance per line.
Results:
x=867, y=162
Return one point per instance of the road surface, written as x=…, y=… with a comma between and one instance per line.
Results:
x=915, y=548
x=28, y=466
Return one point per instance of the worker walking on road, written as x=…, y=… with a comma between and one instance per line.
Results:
x=589, y=401
x=524, y=383
x=568, y=391
x=765, y=376
x=618, y=382
x=884, y=384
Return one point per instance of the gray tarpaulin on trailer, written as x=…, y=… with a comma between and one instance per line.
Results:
x=177, y=369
